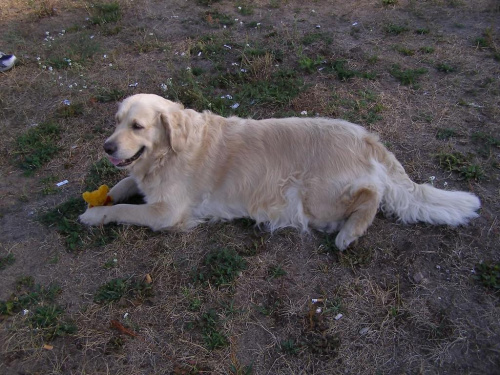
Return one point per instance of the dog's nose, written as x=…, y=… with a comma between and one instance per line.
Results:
x=110, y=148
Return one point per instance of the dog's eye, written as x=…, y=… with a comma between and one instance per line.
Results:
x=136, y=126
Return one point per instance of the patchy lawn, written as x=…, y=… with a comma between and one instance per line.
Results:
x=227, y=298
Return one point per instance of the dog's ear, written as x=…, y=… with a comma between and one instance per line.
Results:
x=177, y=126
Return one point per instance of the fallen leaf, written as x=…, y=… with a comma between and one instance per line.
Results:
x=48, y=347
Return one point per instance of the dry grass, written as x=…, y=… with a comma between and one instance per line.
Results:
x=407, y=294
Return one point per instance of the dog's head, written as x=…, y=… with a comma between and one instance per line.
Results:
x=146, y=123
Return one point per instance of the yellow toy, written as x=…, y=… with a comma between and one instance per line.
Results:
x=98, y=197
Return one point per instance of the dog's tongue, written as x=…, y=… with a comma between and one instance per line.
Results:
x=114, y=161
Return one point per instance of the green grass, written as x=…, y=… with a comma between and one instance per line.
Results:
x=485, y=143
x=105, y=13
x=109, y=95
x=488, y=274
x=213, y=338
x=7, y=260
x=423, y=31
x=461, y=164
x=339, y=67
x=407, y=77
x=37, y=146
x=216, y=18
x=101, y=172
x=314, y=37
x=45, y=317
x=394, y=29
x=220, y=267
x=445, y=133
x=49, y=320
x=404, y=50
x=289, y=347
x=71, y=110
x=276, y=271
x=389, y=2
x=362, y=108
x=445, y=68
x=426, y=49
x=74, y=51
x=64, y=218
x=116, y=289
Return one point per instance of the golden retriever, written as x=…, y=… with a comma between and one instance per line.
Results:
x=294, y=172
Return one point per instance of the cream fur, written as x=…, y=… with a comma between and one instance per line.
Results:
x=300, y=172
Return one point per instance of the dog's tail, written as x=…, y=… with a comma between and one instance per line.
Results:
x=412, y=202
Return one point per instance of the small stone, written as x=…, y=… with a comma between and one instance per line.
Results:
x=418, y=277
x=364, y=331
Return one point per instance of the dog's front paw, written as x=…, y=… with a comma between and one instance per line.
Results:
x=94, y=216
x=344, y=239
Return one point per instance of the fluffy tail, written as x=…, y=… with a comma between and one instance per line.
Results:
x=412, y=202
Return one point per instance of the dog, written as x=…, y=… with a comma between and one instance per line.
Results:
x=326, y=174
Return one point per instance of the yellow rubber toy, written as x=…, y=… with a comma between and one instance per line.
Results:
x=98, y=197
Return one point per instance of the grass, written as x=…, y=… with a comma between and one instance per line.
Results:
x=311, y=38
x=445, y=133
x=213, y=337
x=289, y=347
x=45, y=317
x=74, y=51
x=116, y=289
x=488, y=274
x=109, y=95
x=395, y=29
x=407, y=77
x=101, y=172
x=445, y=68
x=220, y=267
x=37, y=146
x=461, y=164
x=105, y=13
x=64, y=218
x=485, y=143
x=71, y=110
x=6, y=261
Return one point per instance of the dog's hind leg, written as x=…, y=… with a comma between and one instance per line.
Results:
x=361, y=207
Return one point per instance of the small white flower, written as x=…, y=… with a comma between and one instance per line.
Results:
x=125, y=316
x=25, y=312
x=47, y=33
x=244, y=70
x=151, y=34
x=303, y=113
x=163, y=87
x=92, y=36
x=318, y=310
x=110, y=64
x=105, y=56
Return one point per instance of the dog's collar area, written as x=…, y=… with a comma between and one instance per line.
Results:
x=123, y=163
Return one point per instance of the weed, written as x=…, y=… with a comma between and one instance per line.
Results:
x=244, y=9
x=457, y=162
x=37, y=146
x=423, y=31
x=221, y=267
x=445, y=68
x=395, y=29
x=31, y=296
x=488, y=274
x=276, y=271
x=206, y=2
x=289, y=347
x=426, y=49
x=73, y=51
x=358, y=257
x=363, y=108
x=101, y=172
x=215, y=18
x=7, y=260
x=445, y=133
x=119, y=288
x=44, y=8
x=109, y=95
x=24, y=282
x=48, y=320
x=64, y=218
x=311, y=38
x=343, y=73
x=486, y=143
x=404, y=50
x=237, y=369
x=407, y=77
x=71, y=110
x=49, y=185
x=104, y=13
x=309, y=65
x=389, y=2
x=212, y=337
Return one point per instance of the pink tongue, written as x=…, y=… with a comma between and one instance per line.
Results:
x=114, y=161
